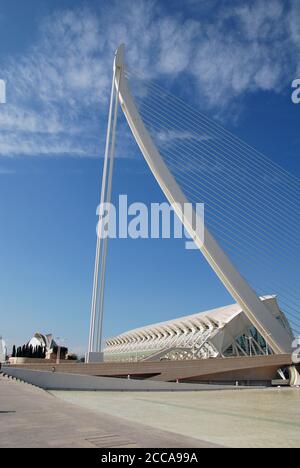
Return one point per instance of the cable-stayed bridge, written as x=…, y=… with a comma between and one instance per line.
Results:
x=251, y=204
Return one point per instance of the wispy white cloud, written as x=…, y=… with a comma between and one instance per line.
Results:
x=259, y=20
x=294, y=30
x=57, y=91
x=6, y=171
x=250, y=48
x=15, y=144
x=21, y=118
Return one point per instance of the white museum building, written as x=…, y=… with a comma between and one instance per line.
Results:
x=222, y=332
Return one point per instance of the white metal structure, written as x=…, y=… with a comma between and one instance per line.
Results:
x=222, y=332
x=95, y=339
x=45, y=341
x=3, y=350
x=274, y=333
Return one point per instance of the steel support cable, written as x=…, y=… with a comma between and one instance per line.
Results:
x=224, y=192
x=227, y=212
x=190, y=161
x=231, y=164
x=234, y=245
x=228, y=150
x=222, y=227
x=215, y=184
x=217, y=128
x=231, y=148
x=261, y=253
x=269, y=286
x=98, y=245
x=184, y=177
x=194, y=154
x=238, y=180
x=263, y=266
x=203, y=160
x=100, y=295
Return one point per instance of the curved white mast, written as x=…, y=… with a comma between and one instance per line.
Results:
x=279, y=338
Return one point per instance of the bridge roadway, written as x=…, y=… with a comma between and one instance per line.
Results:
x=254, y=369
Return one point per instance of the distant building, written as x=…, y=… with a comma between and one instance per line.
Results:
x=3, y=350
x=39, y=347
x=219, y=333
x=45, y=341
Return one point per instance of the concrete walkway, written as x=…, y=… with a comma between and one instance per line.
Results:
x=251, y=418
x=32, y=418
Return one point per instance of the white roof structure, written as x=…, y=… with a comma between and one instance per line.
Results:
x=3, y=350
x=221, y=332
x=46, y=341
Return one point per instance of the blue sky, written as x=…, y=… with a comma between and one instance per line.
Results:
x=233, y=60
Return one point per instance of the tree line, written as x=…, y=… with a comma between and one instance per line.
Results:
x=28, y=351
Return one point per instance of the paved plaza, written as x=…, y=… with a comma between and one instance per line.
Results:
x=248, y=418
x=33, y=418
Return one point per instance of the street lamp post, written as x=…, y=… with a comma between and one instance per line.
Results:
x=60, y=342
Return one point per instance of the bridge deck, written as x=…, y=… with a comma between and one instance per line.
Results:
x=249, y=369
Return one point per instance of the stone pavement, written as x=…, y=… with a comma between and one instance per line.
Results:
x=33, y=418
x=250, y=418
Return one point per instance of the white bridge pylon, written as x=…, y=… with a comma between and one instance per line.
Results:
x=276, y=335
